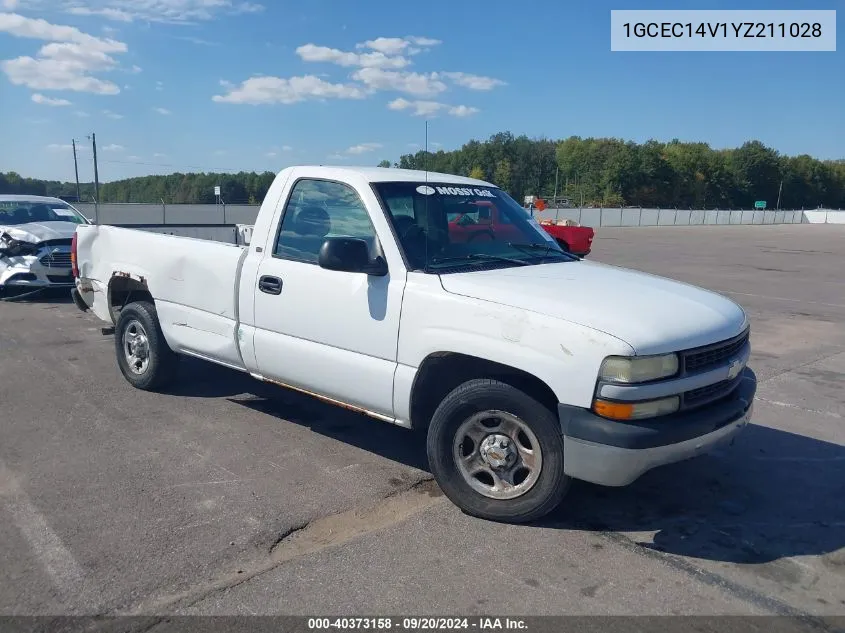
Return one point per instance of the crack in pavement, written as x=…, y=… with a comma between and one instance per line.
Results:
x=315, y=536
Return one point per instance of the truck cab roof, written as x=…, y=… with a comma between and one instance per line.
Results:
x=388, y=174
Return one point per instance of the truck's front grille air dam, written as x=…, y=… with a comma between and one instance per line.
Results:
x=706, y=357
x=60, y=279
x=56, y=260
x=716, y=391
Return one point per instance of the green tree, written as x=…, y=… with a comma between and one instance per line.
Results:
x=477, y=173
x=502, y=175
x=384, y=163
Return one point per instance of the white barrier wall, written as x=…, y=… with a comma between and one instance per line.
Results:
x=230, y=215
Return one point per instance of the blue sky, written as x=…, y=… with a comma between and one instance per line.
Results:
x=207, y=85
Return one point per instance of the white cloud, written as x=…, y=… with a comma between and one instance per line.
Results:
x=397, y=45
x=314, y=53
x=112, y=115
x=462, y=110
x=67, y=63
x=271, y=154
x=248, y=7
x=419, y=84
x=112, y=14
x=10, y=5
x=474, y=82
x=337, y=156
x=287, y=148
x=39, y=98
x=196, y=40
x=263, y=90
x=81, y=114
x=163, y=111
x=133, y=157
x=164, y=11
x=37, y=28
x=135, y=69
x=363, y=148
x=68, y=147
x=159, y=155
x=114, y=147
x=431, y=108
x=159, y=86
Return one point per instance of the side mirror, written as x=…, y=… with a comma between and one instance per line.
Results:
x=350, y=254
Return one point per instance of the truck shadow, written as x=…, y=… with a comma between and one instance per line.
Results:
x=772, y=495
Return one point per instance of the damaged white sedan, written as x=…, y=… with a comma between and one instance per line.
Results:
x=35, y=239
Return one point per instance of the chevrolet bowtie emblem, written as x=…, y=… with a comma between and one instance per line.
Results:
x=734, y=368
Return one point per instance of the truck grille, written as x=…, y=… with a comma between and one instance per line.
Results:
x=703, y=358
x=60, y=259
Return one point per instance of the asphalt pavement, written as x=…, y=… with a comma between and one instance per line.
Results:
x=228, y=496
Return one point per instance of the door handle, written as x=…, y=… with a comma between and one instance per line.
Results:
x=270, y=285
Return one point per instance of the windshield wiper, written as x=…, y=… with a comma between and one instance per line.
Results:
x=463, y=258
x=547, y=248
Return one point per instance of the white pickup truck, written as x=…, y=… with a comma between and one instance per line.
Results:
x=525, y=366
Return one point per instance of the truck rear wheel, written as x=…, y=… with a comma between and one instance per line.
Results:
x=144, y=358
x=497, y=453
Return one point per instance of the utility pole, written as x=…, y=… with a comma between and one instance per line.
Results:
x=93, y=138
x=76, y=171
x=777, y=208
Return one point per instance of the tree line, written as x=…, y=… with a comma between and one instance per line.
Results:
x=588, y=171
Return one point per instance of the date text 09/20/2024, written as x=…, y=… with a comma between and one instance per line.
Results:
x=417, y=624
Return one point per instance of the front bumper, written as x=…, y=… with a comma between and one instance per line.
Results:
x=614, y=453
x=34, y=275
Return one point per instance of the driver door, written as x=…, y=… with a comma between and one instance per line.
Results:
x=330, y=332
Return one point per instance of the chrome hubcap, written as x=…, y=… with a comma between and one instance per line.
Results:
x=497, y=454
x=136, y=347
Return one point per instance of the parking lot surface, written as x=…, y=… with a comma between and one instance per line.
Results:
x=228, y=496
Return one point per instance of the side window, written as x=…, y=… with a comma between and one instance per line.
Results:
x=316, y=210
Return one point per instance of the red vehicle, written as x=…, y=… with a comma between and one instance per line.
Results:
x=485, y=222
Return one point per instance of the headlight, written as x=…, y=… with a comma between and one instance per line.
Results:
x=630, y=369
x=636, y=410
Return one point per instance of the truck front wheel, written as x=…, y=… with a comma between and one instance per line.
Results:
x=144, y=358
x=497, y=453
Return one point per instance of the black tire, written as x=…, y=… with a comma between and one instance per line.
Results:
x=162, y=362
x=476, y=396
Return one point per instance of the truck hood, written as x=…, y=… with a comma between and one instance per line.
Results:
x=36, y=232
x=652, y=314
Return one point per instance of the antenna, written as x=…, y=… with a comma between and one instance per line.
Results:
x=427, y=219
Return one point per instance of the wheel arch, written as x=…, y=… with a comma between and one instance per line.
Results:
x=441, y=372
x=124, y=288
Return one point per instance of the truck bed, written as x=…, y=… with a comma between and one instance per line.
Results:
x=194, y=282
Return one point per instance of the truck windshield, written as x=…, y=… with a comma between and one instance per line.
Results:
x=15, y=212
x=448, y=227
